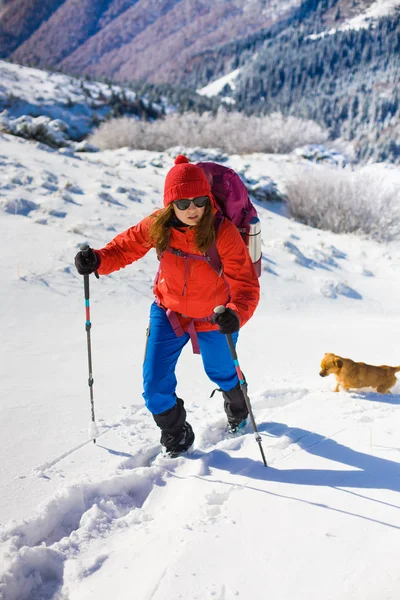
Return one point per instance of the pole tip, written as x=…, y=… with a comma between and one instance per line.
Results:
x=93, y=432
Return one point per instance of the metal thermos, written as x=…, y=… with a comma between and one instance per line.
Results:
x=254, y=243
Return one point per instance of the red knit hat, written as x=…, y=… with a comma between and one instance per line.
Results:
x=185, y=180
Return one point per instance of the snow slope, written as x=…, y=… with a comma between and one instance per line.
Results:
x=82, y=520
x=215, y=87
x=80, y=104
x=378, y=10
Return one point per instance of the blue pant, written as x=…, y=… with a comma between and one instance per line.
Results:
x=162, y=352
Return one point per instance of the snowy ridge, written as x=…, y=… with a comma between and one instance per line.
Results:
x=77, y=103
x=82, y=520
x=377, y=10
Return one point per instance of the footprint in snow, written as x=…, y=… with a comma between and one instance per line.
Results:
x=214, y=504
x=280, y=397
x=333, y=289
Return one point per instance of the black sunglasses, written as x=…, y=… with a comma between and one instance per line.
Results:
x=184, y=204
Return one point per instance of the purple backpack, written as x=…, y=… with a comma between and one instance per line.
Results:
x=233, y=202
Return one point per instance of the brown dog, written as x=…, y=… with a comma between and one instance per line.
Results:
x=350, y=374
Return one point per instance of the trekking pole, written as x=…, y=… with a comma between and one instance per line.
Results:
x=219, y=310
x=93, y=433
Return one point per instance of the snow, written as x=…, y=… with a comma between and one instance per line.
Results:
x=81, y=520
x=377, y=10
x=215, y=87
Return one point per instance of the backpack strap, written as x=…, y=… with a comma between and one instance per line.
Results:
x=211, y=256
x=189, y=328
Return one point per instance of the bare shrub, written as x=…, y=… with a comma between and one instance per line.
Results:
x=231, y=132
x=344, y=202
x=117, y=133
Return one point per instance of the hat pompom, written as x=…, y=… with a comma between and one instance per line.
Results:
x=181, y=159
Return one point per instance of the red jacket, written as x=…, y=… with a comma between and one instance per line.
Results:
x=187, y=286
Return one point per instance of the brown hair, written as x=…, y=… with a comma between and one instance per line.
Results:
x=160, y=229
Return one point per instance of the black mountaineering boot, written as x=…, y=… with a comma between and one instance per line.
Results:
x=235, y=408
x=177, y=444
x=176, y=433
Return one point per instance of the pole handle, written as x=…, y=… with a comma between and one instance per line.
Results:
x=219, y=310
x=85, y=248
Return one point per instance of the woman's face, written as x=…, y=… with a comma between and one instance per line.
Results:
x=190, y=216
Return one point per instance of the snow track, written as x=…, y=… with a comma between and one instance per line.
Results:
x=62, y=548
x=81, y=515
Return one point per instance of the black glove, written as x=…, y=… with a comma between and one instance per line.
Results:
x=228, y=321
x=86, y=262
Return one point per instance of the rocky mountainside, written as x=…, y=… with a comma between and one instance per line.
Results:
x=19, y=19
x=128, y=40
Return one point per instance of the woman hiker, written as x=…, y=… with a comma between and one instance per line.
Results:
x=186, y=290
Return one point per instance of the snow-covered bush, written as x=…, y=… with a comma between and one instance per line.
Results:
x=198, y=153
x=345, y=201
x=320, y=154
x=52, y=132
x=264, y=190
x=231, y=132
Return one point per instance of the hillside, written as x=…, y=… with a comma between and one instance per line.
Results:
x=347, y=81
x=82, y=104
x=309, y=17
x=127, y=41
x=19, y=19
x=335, y=62
x=342, y=71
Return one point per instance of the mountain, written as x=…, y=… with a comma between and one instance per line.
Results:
x=19, y=19
x=163, y=41
x=334, y=61
x=130, y=40
x=346, y=79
